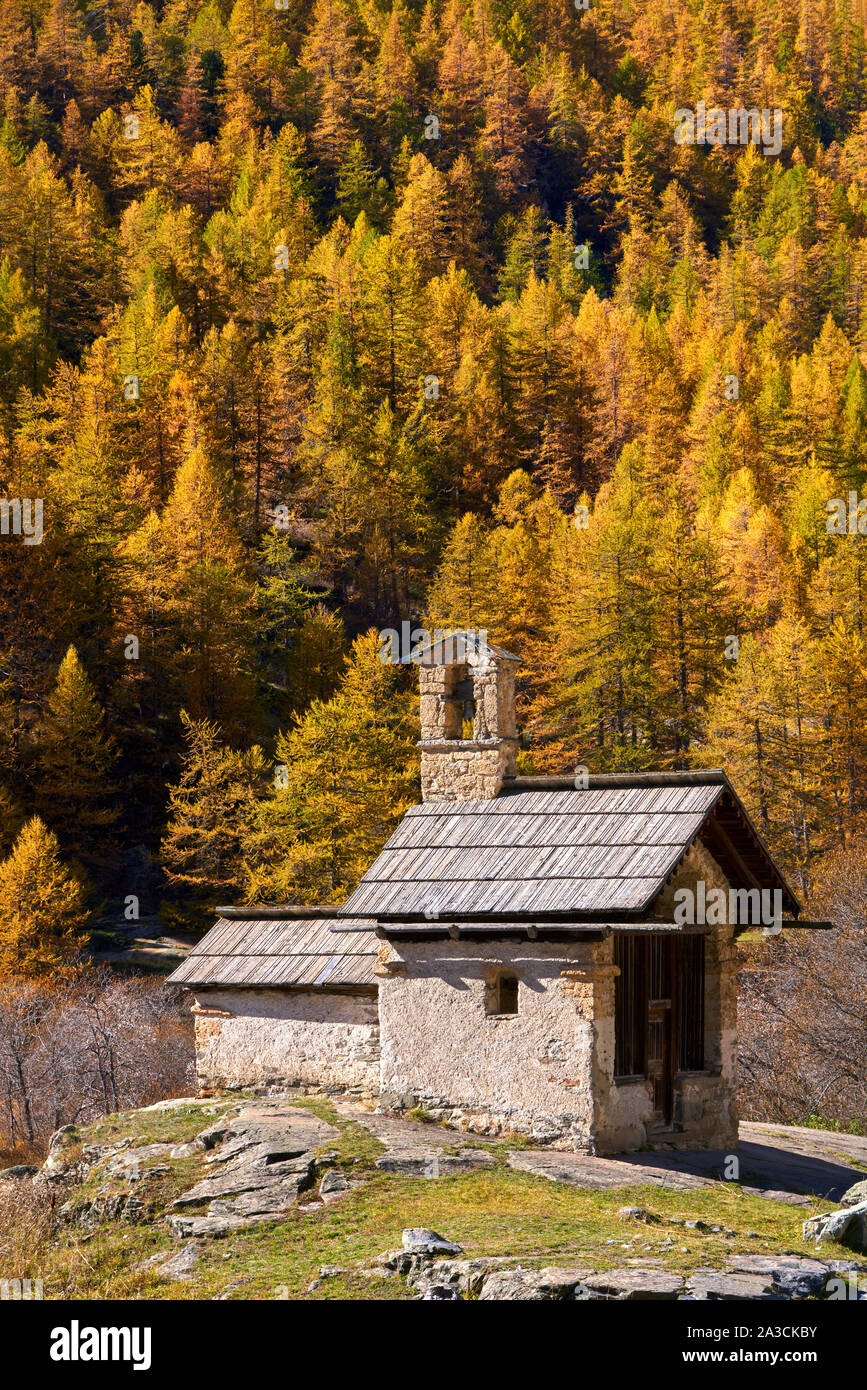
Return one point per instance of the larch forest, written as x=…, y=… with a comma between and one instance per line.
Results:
x=319, y=319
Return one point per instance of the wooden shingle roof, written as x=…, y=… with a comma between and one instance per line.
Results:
x=301, y=952
x=552, y=851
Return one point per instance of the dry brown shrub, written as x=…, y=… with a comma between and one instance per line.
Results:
x=803, y=1009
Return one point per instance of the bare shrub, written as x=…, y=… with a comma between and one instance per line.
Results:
x=86, y=1046
x=803, y=1010
x=26, y=1216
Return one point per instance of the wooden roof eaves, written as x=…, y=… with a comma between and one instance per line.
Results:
x=563, y=931
x=262, y=912
x=727, y=790
x=199, y=988
x=794, y=902
x=683, y=852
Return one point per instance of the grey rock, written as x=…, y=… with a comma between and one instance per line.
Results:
x=465, y=1277
x=419, y=1241
x=398, y=1261
x=180, y=1265
x=637, y=1214
x=530, y=1285
x=107, y=1206
x=132, y=1164
x=229, y=1291
x=274, y=1200
x=134, y=1210
x=332, y=1182
x=794, y=1276
x=712, y=1286
x=411, y=1166
x=212, y=1136
x=288, y=1180
x=61, y=1138
x=185, y=1227
x=262, y=1161
x=433, y=1165
x=19, y=1170
x=55, y=1175
x=628, y=1284
x=855, y=1195
x=847, y=1227
x=184, y=1151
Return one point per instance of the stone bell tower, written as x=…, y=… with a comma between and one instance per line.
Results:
x=465, y=680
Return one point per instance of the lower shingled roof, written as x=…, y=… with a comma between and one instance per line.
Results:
x=315, y=952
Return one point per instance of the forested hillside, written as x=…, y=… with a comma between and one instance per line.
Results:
x=314, y=320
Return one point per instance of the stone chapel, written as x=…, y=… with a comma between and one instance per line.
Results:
x=518, y=957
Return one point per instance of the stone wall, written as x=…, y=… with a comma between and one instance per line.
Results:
x=284, y=1037
x=530, y=1072
x=464, y=771
x=549, y=1070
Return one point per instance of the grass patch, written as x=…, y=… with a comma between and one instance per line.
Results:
x=853, y=1127
x=177, y=1125
x=495, y=1211
x=489, y=1212
x=848, y=1160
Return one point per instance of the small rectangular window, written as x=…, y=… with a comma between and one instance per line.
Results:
x=501, y=996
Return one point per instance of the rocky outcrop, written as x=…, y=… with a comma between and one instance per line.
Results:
x=492, y=1279
x=434, y=1165
x=847, y=1227
x=263, y=1159
x=179, y=1265
x=855, y=1195
x=482, y=1280
x=110, y=1206
x=253, y=1161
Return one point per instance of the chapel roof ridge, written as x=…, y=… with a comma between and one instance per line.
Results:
x=597, y=781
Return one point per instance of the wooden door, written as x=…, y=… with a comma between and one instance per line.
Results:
x=660, y=1070
x=659, y=1013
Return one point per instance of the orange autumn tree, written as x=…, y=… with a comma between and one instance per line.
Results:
x=42, y=909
